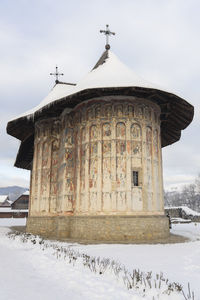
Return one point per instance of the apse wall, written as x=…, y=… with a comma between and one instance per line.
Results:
x=101, y=158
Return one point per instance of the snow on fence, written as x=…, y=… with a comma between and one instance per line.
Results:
x=7, y=212
x=182, y=212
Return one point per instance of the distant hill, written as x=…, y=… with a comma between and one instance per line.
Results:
x=12, y=191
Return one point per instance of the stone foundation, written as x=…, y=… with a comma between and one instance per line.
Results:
x=100, y=228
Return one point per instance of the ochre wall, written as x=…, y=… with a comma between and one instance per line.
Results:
x=84, y=160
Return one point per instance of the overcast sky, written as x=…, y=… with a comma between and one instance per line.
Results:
x=159, y=40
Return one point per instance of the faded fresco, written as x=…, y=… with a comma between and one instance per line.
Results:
x=121, y=130
x=84, y=160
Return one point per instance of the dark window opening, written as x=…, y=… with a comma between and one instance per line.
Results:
x=135, y=178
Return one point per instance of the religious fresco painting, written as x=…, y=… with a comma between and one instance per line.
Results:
x=136, y=136
x=54, y=151
x=131, y=111
x=45, y=180
x=140, y=111
x=121, y=130
x=81, y=145
x=69, y=137
x=98, y=111
x=83, y=134
x=94, y=149
x=45, y=154
x=121, y=172
x=108, y=111
x=106, y=130
x=147, y=113
x=77, y=117
x=155, y=143
x=82, y=166
x=93, y=132
x=107, y=173
x=121, y=147
x=135, y=131
x=69, y=157
x=106, y=148
x=119, y=110
x=136, y=148
x=90, y=114
x=149, y=141
x=93, y=172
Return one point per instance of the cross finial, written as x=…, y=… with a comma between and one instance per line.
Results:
x=107, y=32
x=56, y=74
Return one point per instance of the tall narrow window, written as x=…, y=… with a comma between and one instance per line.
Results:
x=135, y=178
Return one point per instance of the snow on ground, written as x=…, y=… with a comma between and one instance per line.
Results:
x=30, y=273
x=12, y=221
x=179, y=262
x=191, y=230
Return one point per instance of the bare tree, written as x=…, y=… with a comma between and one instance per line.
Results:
x=189, y=196
x=197, y=184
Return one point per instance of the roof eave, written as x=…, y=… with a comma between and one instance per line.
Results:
x=177, y=112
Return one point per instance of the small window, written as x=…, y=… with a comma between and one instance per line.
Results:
x=135, y=178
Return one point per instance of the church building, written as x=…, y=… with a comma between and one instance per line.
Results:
x=94, y=150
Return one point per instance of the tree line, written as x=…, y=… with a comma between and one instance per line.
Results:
x=188, y=196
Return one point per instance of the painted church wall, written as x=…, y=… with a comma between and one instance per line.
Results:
x=45, y=167
x=84, y=161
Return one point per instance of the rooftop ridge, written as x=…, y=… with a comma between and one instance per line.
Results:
x=101, y=60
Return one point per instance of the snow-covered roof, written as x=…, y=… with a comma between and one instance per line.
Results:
x=109, y=77
x=26, y=193
x=112, y=73
x=9, y=209
x=58, y=91
x=109, y=73
x=3, y=198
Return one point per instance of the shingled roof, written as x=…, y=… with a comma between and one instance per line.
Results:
x=108, y=77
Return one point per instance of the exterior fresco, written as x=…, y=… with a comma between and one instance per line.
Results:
x=84, y=160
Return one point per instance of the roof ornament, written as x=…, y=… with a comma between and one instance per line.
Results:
x=57, y=74
x=107, y=33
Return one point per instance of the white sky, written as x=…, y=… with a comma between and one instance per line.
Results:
x=159, y=40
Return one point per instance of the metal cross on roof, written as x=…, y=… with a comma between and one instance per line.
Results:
x=107, y=33
x=56, y=74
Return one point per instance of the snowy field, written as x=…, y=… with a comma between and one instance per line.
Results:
x=30, y=272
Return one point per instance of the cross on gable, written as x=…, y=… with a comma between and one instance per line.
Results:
x=57, y=74
x=107, y=33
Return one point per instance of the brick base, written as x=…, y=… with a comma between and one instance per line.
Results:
x=100, y=228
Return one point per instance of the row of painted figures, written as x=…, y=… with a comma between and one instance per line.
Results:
x=136, y=133
x=54, y=126
x=112, y=110
x=122, y=147
x=87, y=151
